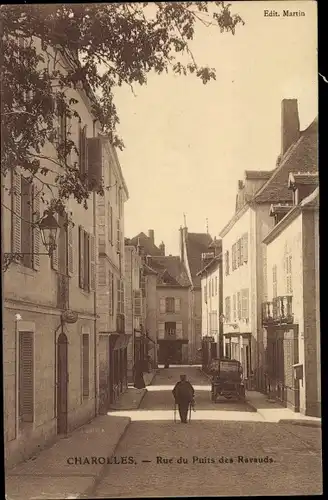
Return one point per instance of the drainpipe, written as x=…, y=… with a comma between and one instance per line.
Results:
x=94, y=200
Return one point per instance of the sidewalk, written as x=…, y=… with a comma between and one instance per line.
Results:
x=72, y=466
x=131, y=399
x=272, y=411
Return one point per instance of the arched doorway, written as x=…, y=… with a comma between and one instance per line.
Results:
x=62, y=383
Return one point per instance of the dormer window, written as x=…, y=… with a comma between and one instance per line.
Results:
x=302, y=185
x=279, y=211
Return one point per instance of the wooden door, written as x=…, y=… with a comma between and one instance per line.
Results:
x=62, y=384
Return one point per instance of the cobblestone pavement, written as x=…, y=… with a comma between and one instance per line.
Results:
x=210, y=457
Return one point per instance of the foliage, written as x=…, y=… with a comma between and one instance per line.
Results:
x=129, y=40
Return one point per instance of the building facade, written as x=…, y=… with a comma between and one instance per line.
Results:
x=111, y=327
x=291, y=313
x=50, y=379
x=212, y=307
x=244, y=253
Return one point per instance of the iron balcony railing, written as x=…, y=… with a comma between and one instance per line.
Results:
x=62, y=291
x=279, y=311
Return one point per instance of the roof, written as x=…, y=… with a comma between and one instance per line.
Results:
x=148, y=269
x=301, y=157
x=303, y=178
x=170, y=269
x=149, y=247
x=196, y=243
x=258, y=174
x=311, y=202
x=208, y=266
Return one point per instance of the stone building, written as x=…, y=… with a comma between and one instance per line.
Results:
x=111, y=327
x=49, y=369
x=244, y=253
x=291, y=314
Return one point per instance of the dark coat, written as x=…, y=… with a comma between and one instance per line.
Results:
x=183, y=392
x=139, y=382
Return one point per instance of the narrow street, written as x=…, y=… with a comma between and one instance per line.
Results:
x=225, y=450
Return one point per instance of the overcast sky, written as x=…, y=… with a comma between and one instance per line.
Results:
x=187, y=144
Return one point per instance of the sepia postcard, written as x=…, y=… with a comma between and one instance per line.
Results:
x=160, y=249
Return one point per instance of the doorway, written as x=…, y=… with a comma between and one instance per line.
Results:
x=62, y=383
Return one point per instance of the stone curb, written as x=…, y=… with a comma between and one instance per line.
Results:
x=87, y=493
x=305, y=423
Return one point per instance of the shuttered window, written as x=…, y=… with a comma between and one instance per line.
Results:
x=169, y=305
x=87, y=260
x=245, y=247
x=70, y=241
x=289, y=285
x=83, y=152
x=161, y=330
x=16, y=212
x=234, y=307
x=36, y=236
x=120, y=296
x=55, y=253
x=238, y=305
x=110, y=223
x=26, y=377
x=177, y=305
x=244, y=304
x=239, y=246
x=85, y=365
x=162, y=305
x=27, y=221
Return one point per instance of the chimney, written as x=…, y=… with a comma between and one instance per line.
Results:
x=151, y=235
x=162, y=248
x=290, y=124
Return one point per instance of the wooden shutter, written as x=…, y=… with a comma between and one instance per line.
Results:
x=244, y=304
x=81, y=257
x=16, y=215
x=85, y=364
x=70, y=262
x=245, y=247
x=162, y=305
x=238, y=305
x=36, y=230
x=26, y=376
x=234, y=307
x=55, y=253
x=92, y=266
x=161, y=330
x=94, y=162
x=118, y=236
x=177, y=305
x=179, y=331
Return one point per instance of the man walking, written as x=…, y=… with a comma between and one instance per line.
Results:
x=183, y=394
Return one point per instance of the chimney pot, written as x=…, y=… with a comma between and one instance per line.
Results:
x=162, y=248
x=151, y=235
x=290, y=124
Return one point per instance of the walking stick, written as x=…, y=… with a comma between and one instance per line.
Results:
x=175, y=410
x=189, y=412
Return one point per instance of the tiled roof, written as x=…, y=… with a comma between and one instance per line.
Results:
x=170, y=269
x=146, y=243
x=301, y=157
x=197, y=243
x=258, y=174
x=311, y=200
x=216, y=260
x=304, y=178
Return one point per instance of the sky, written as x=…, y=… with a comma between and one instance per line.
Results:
x=188, y=144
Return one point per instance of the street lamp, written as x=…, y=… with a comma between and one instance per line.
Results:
x=48, y=228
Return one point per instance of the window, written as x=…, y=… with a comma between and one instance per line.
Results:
x=274, y=281
x=170, y=329
x=234, y=307
x=83, y=152
x=26, y=221
x=169, y=305
x=85, y=365
x=110, y=224
x=120, y=296
x=238, y=305
x=87, y=260
x=26, y=377
x=289, y=286
x=227, y=263
x=244, y=304
x=233, y=258
x=227, y=309
x=239, y=262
